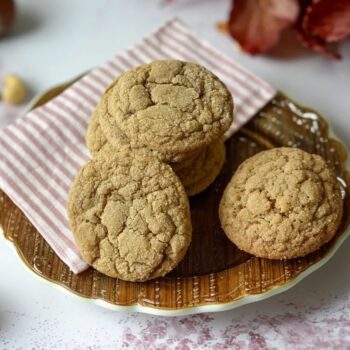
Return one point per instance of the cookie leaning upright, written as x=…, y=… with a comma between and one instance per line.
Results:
x=130, y=216
x=281, y=203
x=172, y=107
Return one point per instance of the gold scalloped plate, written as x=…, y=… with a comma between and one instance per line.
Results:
x=214, y=275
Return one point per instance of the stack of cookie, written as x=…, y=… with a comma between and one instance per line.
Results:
x=155, y=137
x=173, y=110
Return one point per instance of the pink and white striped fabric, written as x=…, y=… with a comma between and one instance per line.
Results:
x=41, y=152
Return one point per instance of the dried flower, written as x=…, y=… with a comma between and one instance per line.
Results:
x=322, y=22
x=257, y=24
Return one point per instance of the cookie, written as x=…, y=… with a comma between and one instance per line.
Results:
x=204, y=169
x=95, y=138
x=119, y=139
x=172, y=107
x=186, y=162
x=281, y=203
x=130, y=216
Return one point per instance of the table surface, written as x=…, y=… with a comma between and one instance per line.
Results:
x=53, y=43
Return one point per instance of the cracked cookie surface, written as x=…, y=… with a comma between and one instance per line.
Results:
x=281, y=203
x=203, y=170
x=119, y=140
x=170, y=106
x=130, y=216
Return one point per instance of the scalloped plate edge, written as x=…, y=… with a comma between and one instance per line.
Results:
x=215, y=307
x=195, y=309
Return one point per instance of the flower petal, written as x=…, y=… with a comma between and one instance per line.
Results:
x=322, y=22
x=257, y=25
x=316, y=44
x=328, y=19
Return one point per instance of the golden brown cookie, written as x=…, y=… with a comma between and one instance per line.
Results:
x=172, y=107
x=119, y=140
x=281, y=204
x=95, y=138
x=130, y=216
x=204, y=169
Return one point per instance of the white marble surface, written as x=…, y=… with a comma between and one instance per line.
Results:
x=56, y=40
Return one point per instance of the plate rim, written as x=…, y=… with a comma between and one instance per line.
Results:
x=207, y=308
x=192, y=310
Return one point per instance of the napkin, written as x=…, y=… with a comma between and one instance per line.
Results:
x=41, y=152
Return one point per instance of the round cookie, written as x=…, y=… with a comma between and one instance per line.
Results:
x=170, y=106
x=281, y=204
x=130, y=216
x=204, y=169
x=118, y=138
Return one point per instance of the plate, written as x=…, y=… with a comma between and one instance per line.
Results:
x=215, y=275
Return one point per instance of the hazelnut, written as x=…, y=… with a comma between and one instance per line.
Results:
x=15, y=91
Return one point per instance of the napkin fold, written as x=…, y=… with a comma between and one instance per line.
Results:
x=41, y=152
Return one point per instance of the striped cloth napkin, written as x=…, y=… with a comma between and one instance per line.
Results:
x=41, y=152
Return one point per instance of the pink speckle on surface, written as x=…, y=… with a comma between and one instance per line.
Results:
x=321, y=328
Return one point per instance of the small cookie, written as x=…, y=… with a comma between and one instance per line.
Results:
x=119, y=140
x=172, y=107
x=281, y=204
x=204, y=169
x=130, y=216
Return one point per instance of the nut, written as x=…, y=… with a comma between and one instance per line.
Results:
x=15, y=91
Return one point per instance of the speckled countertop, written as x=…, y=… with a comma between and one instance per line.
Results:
x=55, y=42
